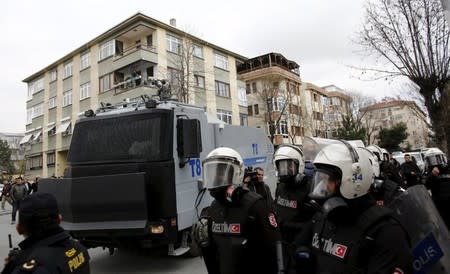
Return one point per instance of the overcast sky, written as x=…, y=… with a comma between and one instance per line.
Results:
x=317, y=34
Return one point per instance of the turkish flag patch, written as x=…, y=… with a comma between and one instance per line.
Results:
x=340, y=251
x=235, y=228
x=380, y=202
x=273, y=220
x=398, y=271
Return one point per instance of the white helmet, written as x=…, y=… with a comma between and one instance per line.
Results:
x=385, y=154
x=222, y=167
x=435, y=157
x=288, y=160
x=377, y=151
x=344, y=163
x=373, y=161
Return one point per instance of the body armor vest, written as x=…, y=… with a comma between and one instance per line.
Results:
x=232, y=229
x=343, y=247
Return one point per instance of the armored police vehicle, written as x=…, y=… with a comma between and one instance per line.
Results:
x=135, y=172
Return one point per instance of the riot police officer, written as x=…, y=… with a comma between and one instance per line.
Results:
x=438, y=181
x=351, y=234
x=47, y=248
x=237, y=233
x=291, y=197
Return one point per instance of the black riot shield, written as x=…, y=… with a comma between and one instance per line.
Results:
x=430, y=239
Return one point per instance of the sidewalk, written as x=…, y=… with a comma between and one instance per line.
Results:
x=5, y=229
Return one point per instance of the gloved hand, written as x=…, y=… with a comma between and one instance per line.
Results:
x=200, y=233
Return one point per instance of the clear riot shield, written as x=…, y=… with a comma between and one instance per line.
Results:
x=430, y=238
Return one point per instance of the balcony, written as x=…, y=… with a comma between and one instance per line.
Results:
x=134, y=54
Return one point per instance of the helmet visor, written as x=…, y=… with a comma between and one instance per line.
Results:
x=218, y=173
x=287, y=167
x=435, y=160
x=324, y=185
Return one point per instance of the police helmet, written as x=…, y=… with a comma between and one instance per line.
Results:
x=434, y=157
x=385, y=154
x=288, y=160
x=342, y=169
x=373, y=161
x=376, y=150
x=222, y=167
x=38, y=213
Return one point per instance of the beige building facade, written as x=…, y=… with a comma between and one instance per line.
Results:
x=273, y=87
x=337, y=105
x=314, y=99
x=117, y=66
x=388, y=114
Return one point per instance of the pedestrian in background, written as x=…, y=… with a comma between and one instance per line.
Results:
x=410, y=171
x=17, y=193
x=5, y=193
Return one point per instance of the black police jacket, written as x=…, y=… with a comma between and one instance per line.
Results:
x=243, y=236
x=439, y=185
x=56, y=253
x=369, y=242
x=290, y=208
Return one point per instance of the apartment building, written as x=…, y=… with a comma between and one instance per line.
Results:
x=389, y=113
x=119, y=65
x=314, y=104
x=273, y=93
x=17, y=152
x=337, y=105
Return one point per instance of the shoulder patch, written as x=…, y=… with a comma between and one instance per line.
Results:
x=69, y=253
x=29, y=265
x=272, y=220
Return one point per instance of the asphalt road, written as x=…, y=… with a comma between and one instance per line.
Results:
x=120, y=262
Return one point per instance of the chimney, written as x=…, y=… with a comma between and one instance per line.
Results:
x=173, y=22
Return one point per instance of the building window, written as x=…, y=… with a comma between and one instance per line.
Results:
x=256, y=108
x=248, y=89
x=29, y=115
x=85, y=91
x=38, y=110
x=254, y=87
x=221, y=61
x=224, y=116
x=67, y=98
x=198, y=51
x=50, y=159
x=277, y=104
x=250, y=110
x=282, y=128
x=173, y=44
x=107, y=49
x=35, y=87
x=68, y=69
x=199, y=81
x=85, y=60
x=34, y=162
x=174, y=76
x=242, y=96
x=105, y=83
x=52, y=102
x=243, y=119
x=53, y=75
x=316, y=98
x=222, y=89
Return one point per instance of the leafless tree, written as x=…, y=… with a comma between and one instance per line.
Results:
x=413, y=36
x=361, y=115
x=294, y=115
x=275, y=100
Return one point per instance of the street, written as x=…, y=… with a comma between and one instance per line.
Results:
x=120, y=261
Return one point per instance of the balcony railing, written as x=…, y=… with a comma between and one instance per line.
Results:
x=134, y=48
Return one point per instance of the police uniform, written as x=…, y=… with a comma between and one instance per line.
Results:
x=365, y=240
x=47, y=247
x=243, y=234
x=440, y=190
